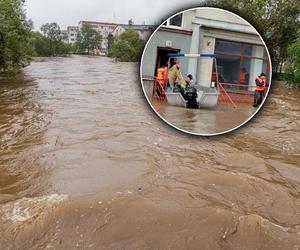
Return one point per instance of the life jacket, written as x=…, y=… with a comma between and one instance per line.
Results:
x=166, y=72
x=161, y=75
x=262, y=84
x=243, y=77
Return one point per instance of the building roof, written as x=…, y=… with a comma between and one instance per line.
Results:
x=139, y=26
x=125, y=26
x=101, y=23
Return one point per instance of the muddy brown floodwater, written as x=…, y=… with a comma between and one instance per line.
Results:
x=85, y=164
x=205, y=121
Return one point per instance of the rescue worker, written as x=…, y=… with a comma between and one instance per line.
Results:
x=162, y=76
x=259, y=92
x=189, y=79
x=244, y=76
x=191, y=93
x=174, y=75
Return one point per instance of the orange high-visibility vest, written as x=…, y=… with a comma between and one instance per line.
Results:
x=262, y=87
x=166, y=71
x=162, y=75
x=243, y=77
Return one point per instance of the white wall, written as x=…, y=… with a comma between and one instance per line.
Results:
x=205, y=64
x=220, y=15
x=256, y=66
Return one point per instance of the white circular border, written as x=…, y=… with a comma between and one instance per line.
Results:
x=226, y=131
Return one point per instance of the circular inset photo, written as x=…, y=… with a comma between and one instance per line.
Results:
x=206, y=71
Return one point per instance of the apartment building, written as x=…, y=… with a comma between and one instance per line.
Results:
x=106, y=28
x=72, y=34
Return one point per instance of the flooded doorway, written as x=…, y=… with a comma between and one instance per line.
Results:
x=162, y=56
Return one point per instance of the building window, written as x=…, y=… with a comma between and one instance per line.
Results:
x=240, y=63
x=175, y=21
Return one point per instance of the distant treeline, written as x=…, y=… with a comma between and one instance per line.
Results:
x=50, y=41
x=128, y=47
x=19, y=43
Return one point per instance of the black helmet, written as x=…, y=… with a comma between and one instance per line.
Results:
x=190, y=76
x=262, y=74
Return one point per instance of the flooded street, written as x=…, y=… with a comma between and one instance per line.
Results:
x=86, y=164
x=205, y=121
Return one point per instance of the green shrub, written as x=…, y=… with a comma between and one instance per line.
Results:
x=292, y=74
x=128, y=47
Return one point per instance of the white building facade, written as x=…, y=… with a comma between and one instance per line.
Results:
x=236, y=44
x=72, y=34
x=144, y=31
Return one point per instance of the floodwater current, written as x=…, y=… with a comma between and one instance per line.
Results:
x=222, y=119
x=86, y=164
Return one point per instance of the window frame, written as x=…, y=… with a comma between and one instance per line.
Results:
x=264, y=58
x=174, y=26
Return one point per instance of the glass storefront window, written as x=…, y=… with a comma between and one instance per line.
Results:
x=228, y=68
x=228, y=47
x=239, y=64
x=247, y=50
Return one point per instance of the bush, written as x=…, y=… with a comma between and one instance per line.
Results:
x=128, y=47
x=43, y=47
x=15, y=31
x=292, y=74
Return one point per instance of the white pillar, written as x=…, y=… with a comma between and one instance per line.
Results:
x=205, y=65
x=256, y=66
x=194, y=49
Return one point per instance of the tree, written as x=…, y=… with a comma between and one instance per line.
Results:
x=128, y=47
x=110, y=39
x=15, y=32
x=53, y=34
x=293, y=64
x=276, y=20
x=88, y=39
x=42, y=46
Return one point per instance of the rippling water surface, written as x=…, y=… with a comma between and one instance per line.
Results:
x=85, y=164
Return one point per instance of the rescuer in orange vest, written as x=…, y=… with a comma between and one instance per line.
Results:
x=260, y=88
x=244, y=76
x=162, y=76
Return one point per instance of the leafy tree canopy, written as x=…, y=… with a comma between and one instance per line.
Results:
x=293, y=64
x=128, y=47
x=15, y=33
x=88, y=39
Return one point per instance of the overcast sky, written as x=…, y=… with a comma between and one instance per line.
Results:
x=70, y=12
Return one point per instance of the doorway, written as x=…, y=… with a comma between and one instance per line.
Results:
x=162, y=57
